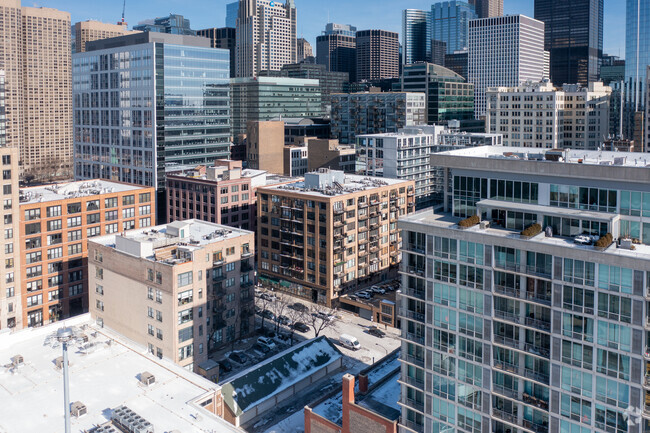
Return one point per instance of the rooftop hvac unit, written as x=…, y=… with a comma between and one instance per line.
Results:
x=59, y=362
x=130, y=422
x=147, y=378
x=17, y=360
x=106, y=428
x=78, y=409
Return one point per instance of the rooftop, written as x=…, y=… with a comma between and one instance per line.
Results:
x=188, y=236
x=104, y=374
x=72, y=190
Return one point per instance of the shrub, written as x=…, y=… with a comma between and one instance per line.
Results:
x=604, y=241
x=532, y=230
x=469, y=222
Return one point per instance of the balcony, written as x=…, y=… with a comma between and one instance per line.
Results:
x=338, y=223
x=534, y=401
x=536, y=297
x=646, y=381
x=246, y=253
x=362, y=204
x=538, y=428
x=506, y=416
x=413, y=404
x=403, y=312
x=507, y=341
x=414, y=360
x=411, y=381
x=218, y=262
x=217, y=278
x=505, y=315
x=414, y=293
x=536, y=375
x=542, y=325
x=508, y=291
x=507, y=367
x=506, y=392
x=415, y=338
x=413, y=426
x=536, y=350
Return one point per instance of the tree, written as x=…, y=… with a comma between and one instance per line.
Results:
x=263, y=302
x=279, y=307
x=320, y=318
x=295, y=316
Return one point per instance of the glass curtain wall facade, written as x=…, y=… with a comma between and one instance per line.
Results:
x=449, y=23
x=637, y=50
x=415, y=36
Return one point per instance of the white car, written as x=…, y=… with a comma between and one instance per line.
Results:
x=266, y=342
x=378, y=289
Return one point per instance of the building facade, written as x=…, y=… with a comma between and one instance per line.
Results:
x=3, y=110
x=268, y=98
x=377, y=55
x=340, y=29
x=458, y=62
x=543, y=116
x=11, y=289
x=487, y=8
x=415, y=34
x=266, y=36
x=177, y=289
x=173, y=24
x=35, y=56
x=573, y=35
x=125, y=132
x=232, y=12
x=338, y=53
x=448, y=95
x=326, y=235
x=531, y=332
x=226, y=38
x=375, y=113
x=56, y=222
x=87, y=31
x=304, y=50
x=449, y=23
x=504, y=51
x=264, y=145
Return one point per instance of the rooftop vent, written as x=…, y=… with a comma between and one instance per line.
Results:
x=59, y=362
x=17, y=360
x=147, y=378
x=130, y=422
x=78, y=409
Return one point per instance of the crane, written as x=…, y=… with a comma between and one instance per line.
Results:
x=123, y=11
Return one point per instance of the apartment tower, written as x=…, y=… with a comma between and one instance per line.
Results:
x=87, y=31
x=35, y=55
x=377, y=55
x=266, y=36
x=11, y=289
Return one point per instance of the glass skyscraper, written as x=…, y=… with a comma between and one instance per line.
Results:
x=173, y=24
x=232, y=10
x=414, y=36
x=637, y=49
x=449, y=23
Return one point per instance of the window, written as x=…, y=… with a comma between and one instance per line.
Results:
x=186, y=352
x=615, y=279
x=92, y=205
x=34, y=271
x=33, y=286
x=186, y=297
x=9, y=233
x=74, y=221
x=75, y=249
x=111, y=228
x=575, y=408
x=128, y=200
x=578, y=327
x=32, y=229
x=185, y=334
x=576, y=381
x=75, y=290
x=74, y=208
x=93, y=231
x=33, y=257
x=145, y=197
x=55, y=281
x=34, y=300
x=110, y=215
x=54, y=225
x=99, y=273
x=93, y=218
x=144, y=210
x=159, y=315
x=578, y=299
x=128, y=212
x=74, y=235
x=612, y=392
x=110, y=202
x=150, y=330
x=614, y=336
x=99, y=289
x=54, y=239
x=32, y=214
x=615, y=307
x=55, y=253
x=185, y=279
x=185, y=316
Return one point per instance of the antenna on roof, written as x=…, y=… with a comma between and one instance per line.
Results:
x=123, y=10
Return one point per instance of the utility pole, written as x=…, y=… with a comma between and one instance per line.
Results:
x=64, y=336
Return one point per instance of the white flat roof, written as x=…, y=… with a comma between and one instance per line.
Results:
x=71, y=190
x=103, y=379
x=353, y=183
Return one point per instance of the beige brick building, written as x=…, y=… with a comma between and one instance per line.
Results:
x=10, y=277
x=173, y=288
x=331, y=233
x=35, y=54
x=265, y=145
x=87, y=31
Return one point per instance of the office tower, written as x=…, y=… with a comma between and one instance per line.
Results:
x=11, y=288
x=573, y=34
x=173, y=24
x=449, y=23
x=448, y=95
x=155, y=287
x=86, y=31
x=532, y=330
x=178, y=110
x=612, y=69
x=226, y=38
x=268, y=98
x=377, y=55
x=35, y=55
x=304, y=50
x=338, y=53
x=414, y=36
x=458, y=62
x=375, y=113
x=232, y=12
x=487, y=8
x=539, y=115
x=56, y=222
x=306, y=244
x=266, y=36
x=340, y=29
x=438, y=52
x=504, y=51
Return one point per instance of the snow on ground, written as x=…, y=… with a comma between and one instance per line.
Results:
x=382, y=370
x=293, y=424
x=331, y=409
x=388, y=393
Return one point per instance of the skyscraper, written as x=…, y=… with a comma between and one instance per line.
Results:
x=86, y=31
x=337, y=51
x=487, y=8
x=340, y=29
x=449, y=22
x=573, y=34
x=637, y=49
x=35, y=55
x=304, y=50
x=377, y=54
x=232, y=11
x=415, y=34
x=266, y=36
x=174, y=24
x=504, y=51
x=226, y=38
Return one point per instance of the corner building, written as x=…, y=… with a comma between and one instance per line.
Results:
x=509, y=333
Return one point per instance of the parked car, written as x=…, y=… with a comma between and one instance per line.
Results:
x=350, y=342
x=261, y=348
x=324, y=316
x=373, y=330
x=377, y=289
x=266, y=342
x=268, y=314
x=299, y=307
x=283, y=320
x=299, y=326
x=363, y=295
x=267, y=297
x=238, y=357
x=258, y=310
x=225, y=365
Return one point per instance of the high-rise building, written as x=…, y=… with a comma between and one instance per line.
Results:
x=174, y=24
x=573, y=35
x=56, y=222
x=268, y=98
x=438, y=52
x=449, y=22
x=35, y=55
x=487, y=8
x=612, y=69
x=183, y=288
x=226, y=38
x=3, y=111
x=232, y=12
x=304, y=50
x=448, y=95
x=266, y=36
x=377, y=55
x=415, y=34
x=375, y=113
x=178, y=111
x=458, y=62
x=11, y=288
x=504, y=51
x=307, y=246
x=338, y=53
x=539, y=115
x=531, y=330
x=340, y=29
x=265, y=145
x=86, y=31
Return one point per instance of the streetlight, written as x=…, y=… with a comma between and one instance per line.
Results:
x=64, y=336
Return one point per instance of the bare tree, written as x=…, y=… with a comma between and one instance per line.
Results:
x=320, y=318
x=263, y=302
x=295, y=316
x=279, y=307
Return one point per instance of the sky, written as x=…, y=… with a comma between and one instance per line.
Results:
x=312, y=14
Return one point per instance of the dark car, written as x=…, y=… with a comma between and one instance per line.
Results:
x=260, y=348
x=299, y=307
x=376, y=332
x=283, y=320
x=225, y=365
x=238, y=357
x=268, y=314
x=299, y=326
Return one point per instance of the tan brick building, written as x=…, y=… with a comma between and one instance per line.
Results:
x=175, y=287
x=55, y=223
x=35, y=54
x=10, y=287
x=87, y=31
x=331, y=233
x=265, y=144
